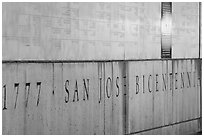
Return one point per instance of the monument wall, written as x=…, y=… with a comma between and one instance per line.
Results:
x=96, y=68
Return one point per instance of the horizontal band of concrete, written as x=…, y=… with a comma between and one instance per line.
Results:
x=102, y=98
x=91, y=61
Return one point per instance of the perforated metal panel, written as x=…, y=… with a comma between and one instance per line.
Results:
x=166, y=10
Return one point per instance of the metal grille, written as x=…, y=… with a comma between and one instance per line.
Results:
x=166, y=11
x=166, y=8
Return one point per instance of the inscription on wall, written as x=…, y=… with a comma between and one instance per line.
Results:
x=143, y=83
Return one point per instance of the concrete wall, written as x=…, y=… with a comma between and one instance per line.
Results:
x=52, y=95
x=166, y=94
x=102, y=97
x=95, y=31
x=185, y=30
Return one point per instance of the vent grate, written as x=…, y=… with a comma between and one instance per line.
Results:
x=166, y=11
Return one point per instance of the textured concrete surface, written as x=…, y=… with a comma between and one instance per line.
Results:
x=100, y=31
x=137, y=97
x=104, y=97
